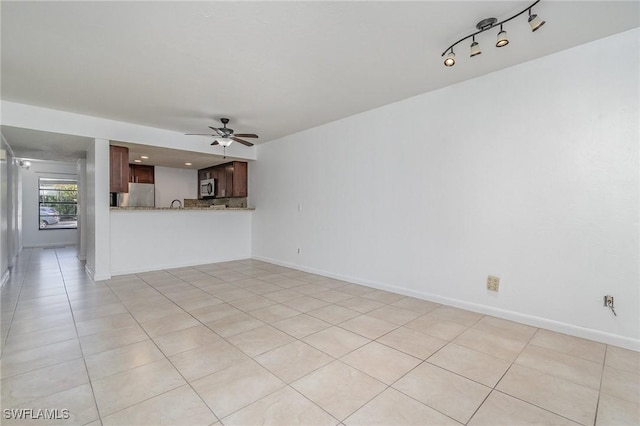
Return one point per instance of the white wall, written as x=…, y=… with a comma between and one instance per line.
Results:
x=175, y=184
x=98, y=263
x=14, y=210
x=529, y=173
x=33, y=236
x=10, y=209
x=81, y=170
x=4, y=211
x=149, y=240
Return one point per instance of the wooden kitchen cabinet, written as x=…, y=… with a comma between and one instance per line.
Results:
x=217, y=173
x=231, y=179
x=239, y=178
x=141, y=173
x=118, y=169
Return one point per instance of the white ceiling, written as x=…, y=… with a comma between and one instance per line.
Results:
x=274, y=68
x=158, y=156
x=34, y=144
x=38, y=145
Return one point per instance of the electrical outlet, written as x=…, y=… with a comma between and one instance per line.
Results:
x=298, y=251
x=608, y=301
x=493, y=283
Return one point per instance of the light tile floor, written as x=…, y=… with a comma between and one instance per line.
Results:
x=247, y=342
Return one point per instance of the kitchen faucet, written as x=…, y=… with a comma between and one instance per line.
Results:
x=180, y=202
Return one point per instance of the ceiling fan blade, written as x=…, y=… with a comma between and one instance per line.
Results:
x=218, y=131
x=215, y=143
x=243, y=142
x=200, y=134
x=246, y=135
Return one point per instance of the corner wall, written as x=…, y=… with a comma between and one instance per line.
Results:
x=10, y=209
x=5, y=159
x=97, y=211
x=529, y=173
x=81, y=170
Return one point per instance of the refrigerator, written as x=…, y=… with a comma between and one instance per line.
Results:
x=139, y=195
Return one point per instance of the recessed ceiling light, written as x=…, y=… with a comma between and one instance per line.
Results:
x=144, y=157
x=187, y=164
x=137, y=161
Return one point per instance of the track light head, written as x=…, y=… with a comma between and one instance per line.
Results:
x=535, y=21
x=502, y=38
x=450, y=60
x=475, y=48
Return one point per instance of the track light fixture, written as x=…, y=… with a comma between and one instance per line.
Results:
x=534, y=21
x=502, y=38
x=475, y=48
x=450, y=60
x=486, y=24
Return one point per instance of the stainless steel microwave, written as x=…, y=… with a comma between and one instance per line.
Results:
x=207, y=188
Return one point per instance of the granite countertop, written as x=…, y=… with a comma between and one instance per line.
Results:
x=182, y=208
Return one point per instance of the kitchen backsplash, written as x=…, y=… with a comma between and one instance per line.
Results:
x=229, y=202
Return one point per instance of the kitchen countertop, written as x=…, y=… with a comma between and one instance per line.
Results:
x=217, y=209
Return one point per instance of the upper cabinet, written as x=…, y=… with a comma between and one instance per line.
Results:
x=237, y=177
x=231, y=179
x=118, y=169
x=141, y=174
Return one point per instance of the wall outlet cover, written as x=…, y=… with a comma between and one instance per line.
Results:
x=493, y=283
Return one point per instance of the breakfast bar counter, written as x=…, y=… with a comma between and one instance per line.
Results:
x=150, y=239
x=214, y=208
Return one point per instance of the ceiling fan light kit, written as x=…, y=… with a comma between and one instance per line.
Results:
x=486, y=24
x=225, y=142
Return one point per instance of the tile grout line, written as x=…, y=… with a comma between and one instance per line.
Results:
x=494, y=389
x=251, y=357
x=427, y=362
x=220, y=419
x=84, y=361
x=163, y=354
x=188, y=313
x=15, y=305
x=604, y=364
x=54, y=364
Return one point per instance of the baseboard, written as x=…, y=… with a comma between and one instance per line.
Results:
x=560, y=327
x=5, y=278
x=116, y=272
x=89, y=272
x=48, y=245
x=93, y=276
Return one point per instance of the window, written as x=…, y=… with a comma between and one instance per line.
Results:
x=58, y=203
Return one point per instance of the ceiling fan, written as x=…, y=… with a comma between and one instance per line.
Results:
x=224, y=135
